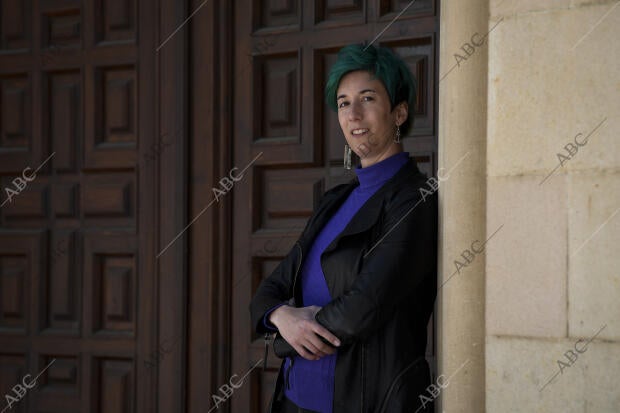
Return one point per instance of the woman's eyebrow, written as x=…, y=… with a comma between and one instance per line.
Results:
x=361, y=92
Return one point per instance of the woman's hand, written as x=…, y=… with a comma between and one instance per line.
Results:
x=299, y=328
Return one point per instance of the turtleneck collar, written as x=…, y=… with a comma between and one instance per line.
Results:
x=374, y=176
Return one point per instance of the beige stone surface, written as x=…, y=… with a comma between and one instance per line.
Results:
x=601, y=377
x=519, y=368
x=594, y=261
x=462, y=129
x=526, y=260
x=510, y=7
x=550, y=73
x=553, y=75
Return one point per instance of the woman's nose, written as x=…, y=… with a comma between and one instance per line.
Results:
x=355, y=111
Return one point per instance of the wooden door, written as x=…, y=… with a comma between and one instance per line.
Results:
x=283, y=53
x=78, y=288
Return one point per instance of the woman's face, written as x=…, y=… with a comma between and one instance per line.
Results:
x=365, y=117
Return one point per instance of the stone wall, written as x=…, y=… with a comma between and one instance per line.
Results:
x=553, y=159
x=542, y=302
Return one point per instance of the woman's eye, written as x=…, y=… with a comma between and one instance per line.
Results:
x=367, y=98
x=342, y=104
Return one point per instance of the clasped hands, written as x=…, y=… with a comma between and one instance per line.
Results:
x=299, y=328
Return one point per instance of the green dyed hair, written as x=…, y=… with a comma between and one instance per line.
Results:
x=383, y=64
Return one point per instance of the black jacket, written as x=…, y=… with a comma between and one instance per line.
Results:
x=382, y=271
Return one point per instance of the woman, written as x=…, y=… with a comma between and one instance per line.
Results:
x=351, y=301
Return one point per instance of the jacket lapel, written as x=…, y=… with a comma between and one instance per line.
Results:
x=370, y=212
x=326, y=210
x=365, y=217
x=363, y=220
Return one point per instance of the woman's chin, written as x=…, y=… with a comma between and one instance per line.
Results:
x=362, y=149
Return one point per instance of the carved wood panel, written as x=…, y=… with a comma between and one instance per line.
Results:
x=70, y=139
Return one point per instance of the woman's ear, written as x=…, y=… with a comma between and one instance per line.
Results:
x=402, y=112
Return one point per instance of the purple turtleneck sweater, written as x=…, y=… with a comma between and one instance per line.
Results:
x=311, y=382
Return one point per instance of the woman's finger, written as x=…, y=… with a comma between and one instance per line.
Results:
x=321, y=347
x=313, y=350
x=326, y=334
x=301, y=350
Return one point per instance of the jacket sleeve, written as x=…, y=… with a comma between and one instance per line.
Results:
x=278, y=287
x=273, y=291
x=268, y=325
x=396, y=264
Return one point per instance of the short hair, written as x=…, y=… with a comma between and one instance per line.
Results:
x=383, y=64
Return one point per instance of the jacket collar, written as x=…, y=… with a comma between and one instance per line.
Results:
x=368, y=214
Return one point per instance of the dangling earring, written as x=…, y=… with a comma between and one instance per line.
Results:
x=397, y=139
x=347, y=157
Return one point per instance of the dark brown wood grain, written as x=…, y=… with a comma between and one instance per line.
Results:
x=143, y=126
x=78, y=82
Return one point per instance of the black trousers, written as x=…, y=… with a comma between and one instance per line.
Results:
x=289, y=407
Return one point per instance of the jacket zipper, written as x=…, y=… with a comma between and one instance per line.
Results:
x=301, y=254
x=266, y=351
x=288, y=373
x=363, y=380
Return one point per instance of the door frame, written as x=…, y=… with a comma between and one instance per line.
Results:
x=209, y=240
x=163, y=280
